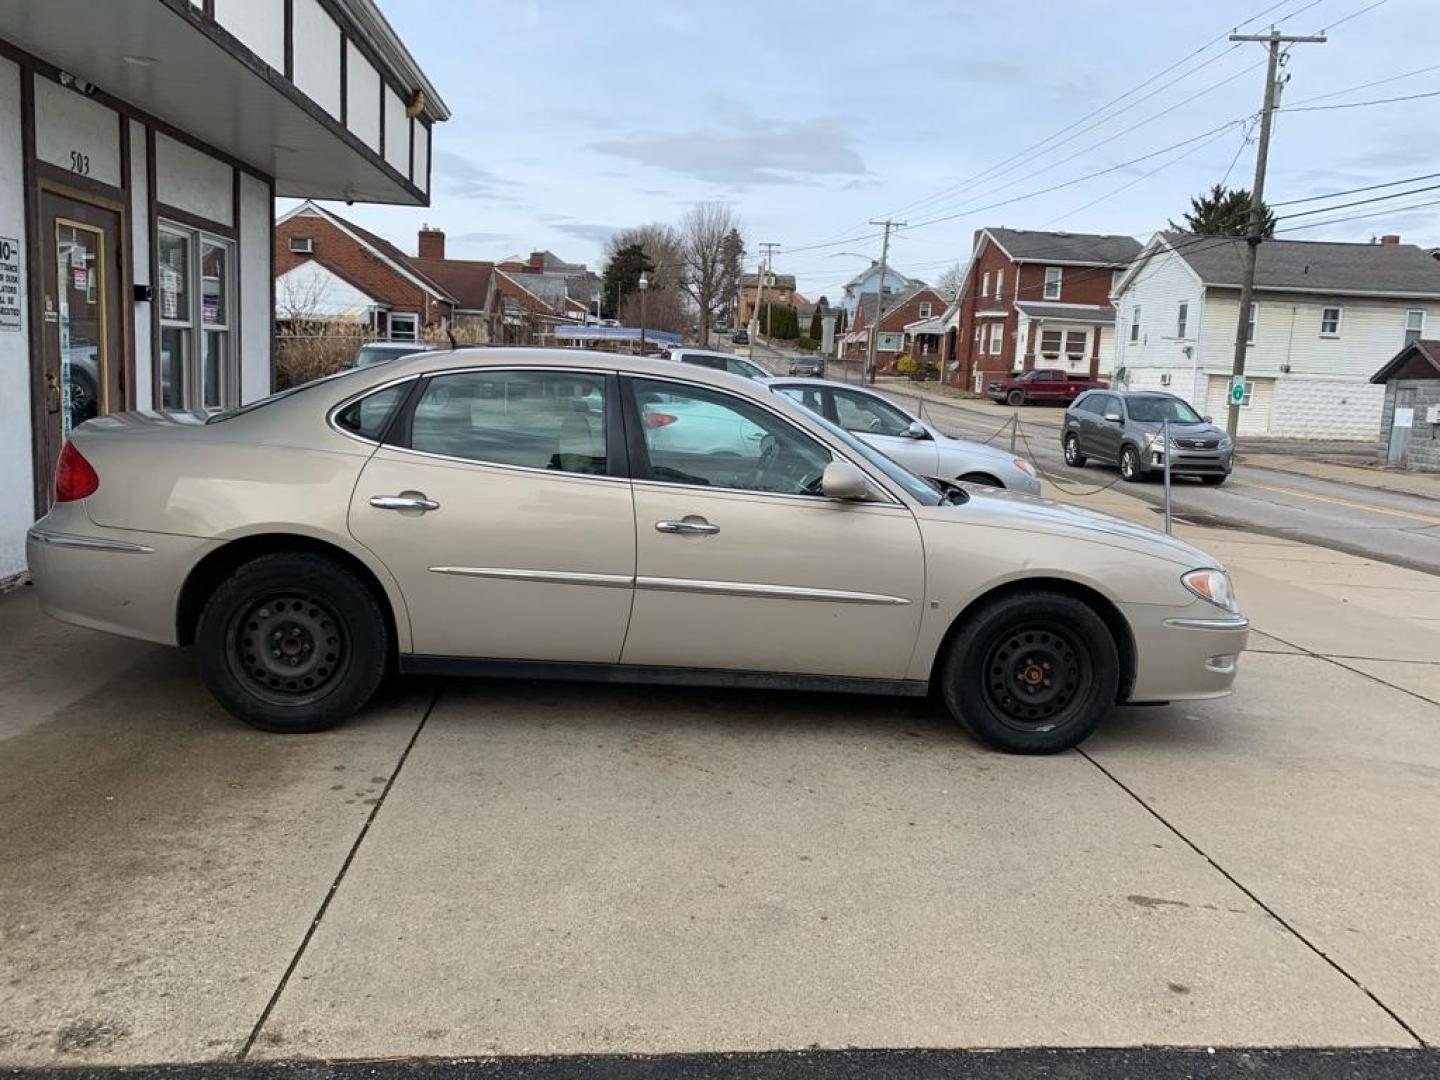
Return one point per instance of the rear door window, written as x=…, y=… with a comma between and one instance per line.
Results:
x=531, y=419
x=370, y=415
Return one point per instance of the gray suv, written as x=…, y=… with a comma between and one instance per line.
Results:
x=1122, y=427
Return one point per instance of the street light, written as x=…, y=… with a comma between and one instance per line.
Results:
x=644, y=285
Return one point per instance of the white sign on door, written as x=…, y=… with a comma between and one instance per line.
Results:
x=1404, y=417
x=10, y=317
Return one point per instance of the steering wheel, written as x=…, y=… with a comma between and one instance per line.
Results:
x=811, y=484
x=769, y=451
x=875, y=425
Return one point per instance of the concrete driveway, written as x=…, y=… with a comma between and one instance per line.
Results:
x=541, y=868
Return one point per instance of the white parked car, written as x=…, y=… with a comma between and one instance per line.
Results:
x=543, y=513
x=908, y=439
x=720, y=361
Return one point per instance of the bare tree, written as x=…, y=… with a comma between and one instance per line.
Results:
x=665, y=301
x=950, y=281
x=704, y=232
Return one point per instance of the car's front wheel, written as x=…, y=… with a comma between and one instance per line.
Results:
x=1130, y=465
x=292, y=642
x=1073, y=456
x=1016, y=397
x=1031, y=673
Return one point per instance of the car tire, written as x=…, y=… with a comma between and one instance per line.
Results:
x=1015, y=397
x=326, y=636
x=1053, y=646
x=1130, y=469
x=1215, y=481
x=1073, y=457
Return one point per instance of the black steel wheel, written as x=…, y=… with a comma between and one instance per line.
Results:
x=1073, y=457
x=1032, y=672
x=1130, y=464
x=293, y=642
x=1016, y=397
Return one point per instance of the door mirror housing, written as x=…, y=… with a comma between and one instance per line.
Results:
x=916, y=430
x=1113, y=417
x=1207, y=419
x=841, y=480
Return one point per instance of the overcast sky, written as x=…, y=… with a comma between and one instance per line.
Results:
x=574, y=118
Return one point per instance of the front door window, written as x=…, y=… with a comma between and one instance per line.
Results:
x=84, y=359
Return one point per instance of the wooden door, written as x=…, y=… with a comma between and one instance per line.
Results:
x=77, y=374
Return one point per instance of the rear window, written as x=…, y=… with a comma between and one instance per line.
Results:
x=326, y=380
x=370, y=415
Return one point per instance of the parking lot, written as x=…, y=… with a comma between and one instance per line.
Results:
x=545, y=868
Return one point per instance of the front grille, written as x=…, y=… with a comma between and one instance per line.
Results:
x=1198, y=444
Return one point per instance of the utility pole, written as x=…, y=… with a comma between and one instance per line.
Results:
x=760, y=294
x=879, y=297
x=1274, y=39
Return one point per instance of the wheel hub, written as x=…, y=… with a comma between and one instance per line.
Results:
x=288, y=646
x=1031, y=676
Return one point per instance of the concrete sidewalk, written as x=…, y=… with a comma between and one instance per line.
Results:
x=512, y=868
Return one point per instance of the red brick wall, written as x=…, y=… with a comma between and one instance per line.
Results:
x=356, y=264
x=975, y=355
x=1078, y=284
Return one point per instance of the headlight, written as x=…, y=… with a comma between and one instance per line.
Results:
x=1212, y=585
x=1024, y=466
x=1226, y=442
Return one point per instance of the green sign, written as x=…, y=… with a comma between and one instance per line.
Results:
x=1237, y=390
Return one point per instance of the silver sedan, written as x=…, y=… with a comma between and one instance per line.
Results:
x=544, y=513
x=907, y=438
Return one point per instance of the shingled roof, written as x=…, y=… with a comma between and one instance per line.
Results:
x=1402, y=270
x=1064, y=248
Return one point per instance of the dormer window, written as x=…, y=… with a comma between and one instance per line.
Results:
x=302, y=245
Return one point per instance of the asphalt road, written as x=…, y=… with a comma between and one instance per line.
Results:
x=1403, y=530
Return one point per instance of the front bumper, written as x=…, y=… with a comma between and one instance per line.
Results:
x=1188, y=462
x=1185, y=653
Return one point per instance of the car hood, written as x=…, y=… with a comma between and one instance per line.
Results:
x=1181, y=431
x=990, y=508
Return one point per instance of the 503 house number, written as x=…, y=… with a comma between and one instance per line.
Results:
x=79, y=163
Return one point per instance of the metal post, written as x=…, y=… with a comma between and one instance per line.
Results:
x=1165, y=449
x=869, y=375
x=1014, y=429
x=1257, y=193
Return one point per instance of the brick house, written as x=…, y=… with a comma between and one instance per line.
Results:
x=917, y=305
x=330, y=269
x=1035, y=299
x=779, y=290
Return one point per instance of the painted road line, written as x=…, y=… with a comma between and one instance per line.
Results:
x=1429, y=519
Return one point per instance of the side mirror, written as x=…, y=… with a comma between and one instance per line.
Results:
x=1113, y=417
x=916, y=430
x=841, y=480
x=1208, y=420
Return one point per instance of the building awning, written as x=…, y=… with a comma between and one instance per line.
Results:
x=1091, y=314
x=165, y=58
x=926, y=326
x=615, y=333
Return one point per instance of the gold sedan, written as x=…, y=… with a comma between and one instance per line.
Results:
x=563, y=514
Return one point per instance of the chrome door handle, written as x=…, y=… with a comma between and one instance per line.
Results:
x=403, y=502
x=690, y=526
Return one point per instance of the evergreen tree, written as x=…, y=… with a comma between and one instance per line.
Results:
x=622, y=277
x=1224, y=212
x=815, y=328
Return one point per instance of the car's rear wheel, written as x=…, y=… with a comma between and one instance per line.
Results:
x=1016, y=397
x=1032, y=673
x=292, y=642
x=1130, y=464
x=1073, y=456
x=1215, y=480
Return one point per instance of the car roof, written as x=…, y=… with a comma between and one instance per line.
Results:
x=706, y=352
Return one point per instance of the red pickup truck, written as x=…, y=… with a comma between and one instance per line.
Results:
x=1041, y=384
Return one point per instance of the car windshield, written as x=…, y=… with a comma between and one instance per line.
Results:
x=915, y=487
x=1153, y=410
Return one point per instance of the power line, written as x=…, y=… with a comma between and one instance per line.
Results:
x=1367, y=85
x=1356, y=191
x=1359, y=217
x=1352, y=15
x=1358, y=104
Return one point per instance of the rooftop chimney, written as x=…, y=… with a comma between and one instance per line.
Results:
x=1390, y=238
x=432, y=243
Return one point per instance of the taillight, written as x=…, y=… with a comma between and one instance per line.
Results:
x=658, y=419
x=75, y=478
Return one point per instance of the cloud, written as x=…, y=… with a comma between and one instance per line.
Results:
x=480, y=237
x=581, y=230
x=753, y=151
x=461, y=176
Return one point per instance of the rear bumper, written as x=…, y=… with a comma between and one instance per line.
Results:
x=115, y=580
x=1186, y=653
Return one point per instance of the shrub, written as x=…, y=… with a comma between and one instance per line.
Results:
x=807, y=344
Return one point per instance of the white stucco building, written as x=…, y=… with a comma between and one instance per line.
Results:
x=1326, y=317
x=142, y=145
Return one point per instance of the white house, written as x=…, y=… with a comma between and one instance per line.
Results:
x=142, y=145
x=1326, y=316
x=868, y=281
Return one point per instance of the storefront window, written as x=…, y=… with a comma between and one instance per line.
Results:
x=195, y=353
